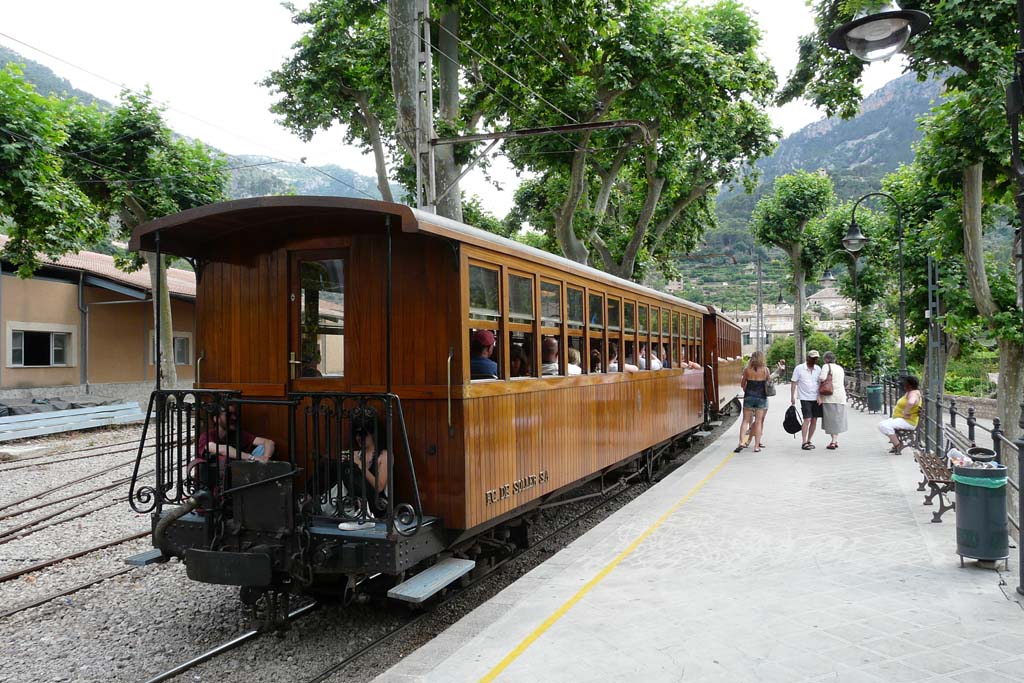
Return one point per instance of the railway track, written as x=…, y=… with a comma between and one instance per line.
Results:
x=77, y=451
x=74, y=589
x=9, y=576
x=323, y=675
x=47, y=492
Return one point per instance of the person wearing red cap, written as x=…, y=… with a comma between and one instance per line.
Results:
x=481, y=346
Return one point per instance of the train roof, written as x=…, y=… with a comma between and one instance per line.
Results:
x=186, y=233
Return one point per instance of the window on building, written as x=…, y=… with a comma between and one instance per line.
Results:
x=32, y=349
x=182, y=348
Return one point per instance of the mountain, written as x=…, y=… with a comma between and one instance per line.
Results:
x=251, y=176
x=47, y=82
x=857, y=153
x=256, y=176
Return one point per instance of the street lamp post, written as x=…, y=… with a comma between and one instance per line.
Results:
x=899, y=236
x=853, y=243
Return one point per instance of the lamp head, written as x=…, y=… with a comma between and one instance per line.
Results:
x=877, y=36
x=855, y=240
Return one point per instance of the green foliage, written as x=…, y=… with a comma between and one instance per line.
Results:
x=781, y=218
x=45, y=210
x=784, y=349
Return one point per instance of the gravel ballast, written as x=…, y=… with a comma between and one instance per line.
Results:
x=138, y=624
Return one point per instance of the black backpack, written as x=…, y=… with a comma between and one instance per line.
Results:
x=792, y=423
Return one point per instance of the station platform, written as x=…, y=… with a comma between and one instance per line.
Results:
x=784, y=565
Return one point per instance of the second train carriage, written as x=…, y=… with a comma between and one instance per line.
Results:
x=723, y=361
x=316, y=315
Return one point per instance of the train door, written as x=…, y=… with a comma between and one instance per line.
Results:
x=316, y=301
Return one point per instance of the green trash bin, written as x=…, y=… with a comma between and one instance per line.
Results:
x=874, y=392
x=981, y=527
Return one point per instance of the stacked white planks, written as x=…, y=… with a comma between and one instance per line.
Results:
x=40, y=424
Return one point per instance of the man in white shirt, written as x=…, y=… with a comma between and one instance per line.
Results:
x=805, y=385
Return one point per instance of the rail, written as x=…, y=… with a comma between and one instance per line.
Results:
x=341, y=448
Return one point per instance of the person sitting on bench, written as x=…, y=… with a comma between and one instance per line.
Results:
x=904, y=415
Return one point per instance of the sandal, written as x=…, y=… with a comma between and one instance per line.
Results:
x=832, y=446
x=807, y=446
x=739, y=448
x=757, y=449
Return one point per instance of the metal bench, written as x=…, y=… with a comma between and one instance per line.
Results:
x=939, y=479
x=909, y=438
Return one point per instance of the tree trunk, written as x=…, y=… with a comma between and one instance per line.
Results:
x=799, y=277
x=449, y=206
x=404, y=45
x=974, y=251
x=162, y=311
x=379, y=157
x=573, y=248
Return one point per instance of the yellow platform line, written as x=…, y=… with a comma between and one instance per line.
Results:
x=598, y=578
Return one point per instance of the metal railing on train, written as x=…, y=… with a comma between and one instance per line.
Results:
x=337, y=472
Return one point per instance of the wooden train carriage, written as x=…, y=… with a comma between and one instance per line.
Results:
x=294, y=299
x=723, y=359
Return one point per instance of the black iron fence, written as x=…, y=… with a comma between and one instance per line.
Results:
x=342, y=449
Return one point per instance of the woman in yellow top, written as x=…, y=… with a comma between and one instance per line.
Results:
x=904, y=415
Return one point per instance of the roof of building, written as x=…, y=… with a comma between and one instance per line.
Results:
x=826, y=293
x=179, y=282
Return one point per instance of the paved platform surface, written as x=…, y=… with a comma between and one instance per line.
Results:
x=784, y=565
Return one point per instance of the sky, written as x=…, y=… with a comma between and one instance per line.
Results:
x=203, y=61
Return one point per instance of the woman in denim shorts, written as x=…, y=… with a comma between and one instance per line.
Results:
x=755, y=401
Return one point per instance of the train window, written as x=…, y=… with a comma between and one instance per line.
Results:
x=574, y=307
x=665, y=320
x=520, y=299
x=675, y=338
x=576, y=366
x=613, y=314
x=655, y=320
x=642, y=318
x=322, y=312
x=484, y=360
x=484, y=298
x=520, y=355
x=550, y=304
x=596, y=312
x=597, y=357
x=628, y=317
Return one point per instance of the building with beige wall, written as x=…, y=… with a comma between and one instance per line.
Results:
x=81, y=323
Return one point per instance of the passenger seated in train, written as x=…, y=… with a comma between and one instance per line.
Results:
x=574, y=367
x=549, y=356
x=667, y=363
x=222, y=438
x=481, y=346
x=595, y=361
x=518, y=363
x=654, y=364
x=367, y=480
x=613, y=360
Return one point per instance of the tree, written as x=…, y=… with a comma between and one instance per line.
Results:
x=44, y=211
x=781, y=219
x=784, y=348
x=134, y=169
x=692, y=75
x=338, y=74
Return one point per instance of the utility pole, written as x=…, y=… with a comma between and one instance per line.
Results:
x=760, y=308
x=426, y=191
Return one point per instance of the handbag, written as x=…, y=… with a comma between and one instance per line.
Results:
x=769, y=387
x=826, y=388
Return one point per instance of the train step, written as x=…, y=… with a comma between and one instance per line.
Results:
x=715, y=423
x=702, y=435
x=428, y=582
x=143, y=559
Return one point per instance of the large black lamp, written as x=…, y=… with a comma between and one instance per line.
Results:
x=855, y=240
x=876, y=36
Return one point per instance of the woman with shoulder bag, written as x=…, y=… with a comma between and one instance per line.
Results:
x=755, y=382
x=832, y=398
